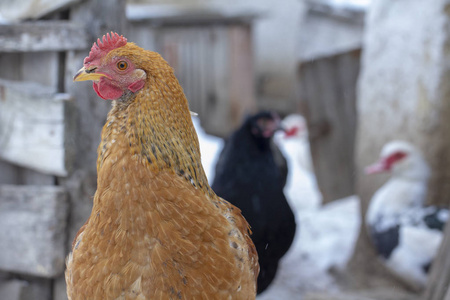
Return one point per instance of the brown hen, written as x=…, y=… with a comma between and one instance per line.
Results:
x=156, y=230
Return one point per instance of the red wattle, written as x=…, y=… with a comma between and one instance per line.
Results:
x=106, y=90
x=95, y=86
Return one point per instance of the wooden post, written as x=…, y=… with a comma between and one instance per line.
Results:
x=403, y=94
x=328, y=91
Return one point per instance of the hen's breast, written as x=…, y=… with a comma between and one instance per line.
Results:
x=154, y=234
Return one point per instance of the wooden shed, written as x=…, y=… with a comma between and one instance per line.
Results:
x=211, y=52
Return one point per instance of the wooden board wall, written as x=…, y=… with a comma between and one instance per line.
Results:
x=214, y=64
x=32, y=119
x=327, y=90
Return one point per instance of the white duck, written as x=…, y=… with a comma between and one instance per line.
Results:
x=295, y=138
x=301, y=188
x=406, y=234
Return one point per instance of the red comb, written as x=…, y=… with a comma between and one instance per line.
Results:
x=108, y=43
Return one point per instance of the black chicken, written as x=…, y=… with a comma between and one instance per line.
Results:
x=248, y=174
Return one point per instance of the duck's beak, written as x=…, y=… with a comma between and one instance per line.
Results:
x=378, y=167
x=88, y=74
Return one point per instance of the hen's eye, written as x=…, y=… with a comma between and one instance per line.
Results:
x=122, y=65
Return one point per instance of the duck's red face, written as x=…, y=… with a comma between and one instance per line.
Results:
x=293, y=131
x=385, y=164
x=294, y=126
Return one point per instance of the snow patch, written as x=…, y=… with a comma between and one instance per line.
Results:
x=210, y=148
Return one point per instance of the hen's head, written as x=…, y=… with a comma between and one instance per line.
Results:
x=263, y=125
x=114, y=66
x=401, y=159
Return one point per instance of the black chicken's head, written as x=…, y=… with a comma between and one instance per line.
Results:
x=263, y=125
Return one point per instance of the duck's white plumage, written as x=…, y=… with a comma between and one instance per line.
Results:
x=397, y=220
x=301, y=181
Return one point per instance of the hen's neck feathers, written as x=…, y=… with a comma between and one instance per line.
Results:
x=158, y=127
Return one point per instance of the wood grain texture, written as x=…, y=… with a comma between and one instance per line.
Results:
x=34, y=219
x=42, y=36
x=32, y=126
x=214, y=64
x=20, y=10
x=328, y=91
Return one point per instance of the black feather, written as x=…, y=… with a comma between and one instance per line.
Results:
x=434, y=218
x=386, y=241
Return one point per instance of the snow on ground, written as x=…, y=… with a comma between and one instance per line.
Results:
x=325, y=234
x=210, y=148
x=326, y=239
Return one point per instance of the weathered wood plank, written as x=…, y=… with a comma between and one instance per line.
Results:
x=18, y=10
x=43, y=36
x=32, y=64
x=34, y=219
x=10, y=63
x=242, y=91
x=32, y=126
x=214, y=66
x=179, y=15
x=13, y=174
x=26, y=289
x=328, y=90
x=8, y=173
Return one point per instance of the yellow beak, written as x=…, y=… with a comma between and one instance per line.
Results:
x=83, y=74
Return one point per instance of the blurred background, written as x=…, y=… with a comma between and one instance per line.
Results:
x=360, y=72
